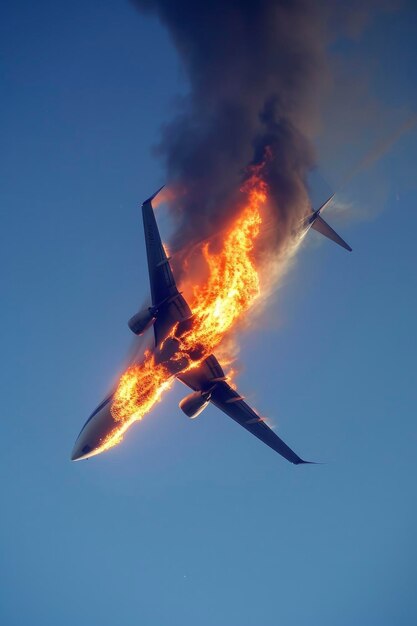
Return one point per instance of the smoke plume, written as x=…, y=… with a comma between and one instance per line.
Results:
x=256, y=71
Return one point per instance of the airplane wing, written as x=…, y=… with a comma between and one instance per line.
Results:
x=164, y=293
x=160, y=274
x=211, y=376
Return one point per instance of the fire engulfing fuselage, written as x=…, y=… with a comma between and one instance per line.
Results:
x=181, y=348
x=101, y=423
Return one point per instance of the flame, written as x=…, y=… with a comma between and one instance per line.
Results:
x=139, y=389
x=232, y=287
x=233, y=283
x=147, y=380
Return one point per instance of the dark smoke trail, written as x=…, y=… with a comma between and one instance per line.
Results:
x=255, y=70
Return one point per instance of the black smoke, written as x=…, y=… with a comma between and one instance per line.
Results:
x=257, y=71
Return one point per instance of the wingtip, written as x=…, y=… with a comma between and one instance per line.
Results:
x=153, y=195
x=302, y=462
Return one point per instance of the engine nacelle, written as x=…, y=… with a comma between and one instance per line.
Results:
x=194, y=404
x=141, y=321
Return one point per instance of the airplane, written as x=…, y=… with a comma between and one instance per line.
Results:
x=207, y=382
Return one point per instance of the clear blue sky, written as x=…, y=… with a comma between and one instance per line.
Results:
x=197, y=522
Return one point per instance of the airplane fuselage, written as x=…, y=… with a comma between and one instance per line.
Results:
x=101, y=423
x=176, y=352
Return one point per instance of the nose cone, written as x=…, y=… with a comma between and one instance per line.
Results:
x=80, y=451
x=96, y=429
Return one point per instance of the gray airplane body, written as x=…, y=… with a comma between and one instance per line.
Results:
x=207, y=381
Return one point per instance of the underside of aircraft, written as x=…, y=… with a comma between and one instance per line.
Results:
x=207, y=381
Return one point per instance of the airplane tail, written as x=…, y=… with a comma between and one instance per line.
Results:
x=317, y=222
x=322, y=227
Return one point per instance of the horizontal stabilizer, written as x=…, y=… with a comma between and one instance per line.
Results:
x=325, y=204
x=322, y=227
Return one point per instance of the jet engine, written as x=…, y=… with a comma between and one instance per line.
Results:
x=195, y=403
x=142, y=320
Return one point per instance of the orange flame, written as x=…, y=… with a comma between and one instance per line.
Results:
x=233, y=282
x=231, y=289
x=139, y=389
x=146, y=381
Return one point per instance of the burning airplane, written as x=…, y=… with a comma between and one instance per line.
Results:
x=185, y=336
